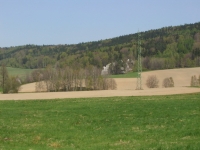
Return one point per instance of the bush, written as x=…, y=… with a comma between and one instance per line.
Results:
x=152, y=81
x=195, y=81
x=168, y=82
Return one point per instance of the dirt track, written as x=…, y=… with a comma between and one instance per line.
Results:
x=125, y=87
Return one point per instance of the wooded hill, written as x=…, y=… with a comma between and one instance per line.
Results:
x=165, y=48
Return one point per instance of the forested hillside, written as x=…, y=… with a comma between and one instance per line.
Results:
x=168, y=47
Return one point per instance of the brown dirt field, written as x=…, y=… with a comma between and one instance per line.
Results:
x=125, y=87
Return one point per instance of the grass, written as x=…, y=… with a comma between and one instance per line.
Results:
x=126, y=75
x=157, y=122
x=18, y=71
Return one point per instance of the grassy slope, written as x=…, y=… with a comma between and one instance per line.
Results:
x=18, y=71
x=127, y=75
x=159, y=122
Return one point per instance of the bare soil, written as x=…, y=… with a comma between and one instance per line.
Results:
x=125, y=87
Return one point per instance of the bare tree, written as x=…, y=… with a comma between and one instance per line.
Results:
x=194, y=81
x=81, y=78
x=47, y=76
x=152, y=81
x=40, y=83
x=112, y=84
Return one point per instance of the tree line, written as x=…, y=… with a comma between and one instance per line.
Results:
x=169, y=47
x=67, y=79
x=57, y=79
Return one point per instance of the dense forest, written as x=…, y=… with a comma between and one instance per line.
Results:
x=164, y=48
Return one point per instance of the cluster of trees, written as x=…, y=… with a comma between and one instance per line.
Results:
x=8, y=84
x=170, y=47
x=155, y=63
x=68, y=79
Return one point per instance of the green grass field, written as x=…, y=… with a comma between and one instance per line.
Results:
x=156, y=122
x=127, y=75
x=18, y=71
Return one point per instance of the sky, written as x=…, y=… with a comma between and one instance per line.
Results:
x=52, y=22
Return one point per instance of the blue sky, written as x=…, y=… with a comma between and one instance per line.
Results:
x=51, y=22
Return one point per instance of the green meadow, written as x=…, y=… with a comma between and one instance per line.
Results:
x=152, y=122
x=18, y=71
x=126, y=75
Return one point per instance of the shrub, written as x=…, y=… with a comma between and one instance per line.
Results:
x=152, y=81
x=168, y=82
x=195, y=81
